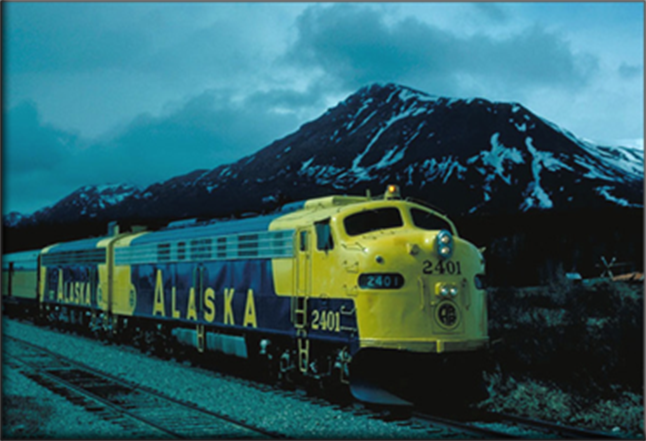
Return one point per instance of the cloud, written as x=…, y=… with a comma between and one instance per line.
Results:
x=491, y=11
x=200, y=132
x=90, y=66
x=34, y=158
x=630, y=71
x=30, y=145
x=355, y=44
x=195, y=85
x=72, y=37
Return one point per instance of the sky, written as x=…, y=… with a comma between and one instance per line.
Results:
x=137, y=93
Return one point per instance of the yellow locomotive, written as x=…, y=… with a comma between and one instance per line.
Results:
x=416, y=291
x=378, y=293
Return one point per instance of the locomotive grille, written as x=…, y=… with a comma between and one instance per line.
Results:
x=265, y=244
x=95, y=255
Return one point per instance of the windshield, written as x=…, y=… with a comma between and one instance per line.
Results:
x=366, y=221
x=428, y=221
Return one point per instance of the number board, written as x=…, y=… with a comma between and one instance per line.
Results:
x=381, y=281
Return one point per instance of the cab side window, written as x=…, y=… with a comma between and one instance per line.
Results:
x=324, y=240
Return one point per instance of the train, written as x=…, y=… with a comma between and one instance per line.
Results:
x=378, y=294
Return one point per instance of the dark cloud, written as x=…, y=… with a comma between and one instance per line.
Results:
x=34, y=157
x=355, y=44
x=630, y=72
x=202, y=132
x=266, y=69
x=349, y=42
x=491, y=11
x=29, y=144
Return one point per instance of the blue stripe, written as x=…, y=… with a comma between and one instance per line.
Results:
x=272, y=312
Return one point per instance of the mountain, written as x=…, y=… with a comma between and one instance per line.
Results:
x=467, y=156
x=88, y=202
x=14, y=219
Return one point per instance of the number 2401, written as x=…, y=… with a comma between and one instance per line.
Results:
x=326, y=320
x=442, y=267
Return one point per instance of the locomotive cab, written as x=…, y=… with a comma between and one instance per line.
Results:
x=421, y=306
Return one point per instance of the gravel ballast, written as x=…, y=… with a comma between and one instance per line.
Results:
x=278, y=412
x=29, y=410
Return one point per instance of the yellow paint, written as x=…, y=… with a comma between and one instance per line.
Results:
x=43, y=284
x=228, y=309
x=250, y=311
x=158, y=306
x=23, y=284
x=209, y=305
x=43, y=275
x=174, y=311
x=60, y=296
x=124, y=300
x=404, y=318
x=191, y=311
x=80, y=290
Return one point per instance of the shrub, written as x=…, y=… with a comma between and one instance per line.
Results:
x=586, y=339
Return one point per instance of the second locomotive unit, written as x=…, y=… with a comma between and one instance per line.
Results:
x=378, y=293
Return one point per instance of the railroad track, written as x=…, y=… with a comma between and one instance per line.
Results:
x=146, y=413
x=549, y=427
x=140, y=411
x=505, y=426
x=467, y=428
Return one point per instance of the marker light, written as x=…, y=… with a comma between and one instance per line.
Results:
x=444, y=245
x=392, y=192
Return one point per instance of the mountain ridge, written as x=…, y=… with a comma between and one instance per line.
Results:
x=469, y=156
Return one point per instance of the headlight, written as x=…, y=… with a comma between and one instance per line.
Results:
x=446, y=289
x=444, y=244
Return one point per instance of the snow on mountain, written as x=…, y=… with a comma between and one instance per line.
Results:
x=13, y=219
x=468, y=156
x=88, y=202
